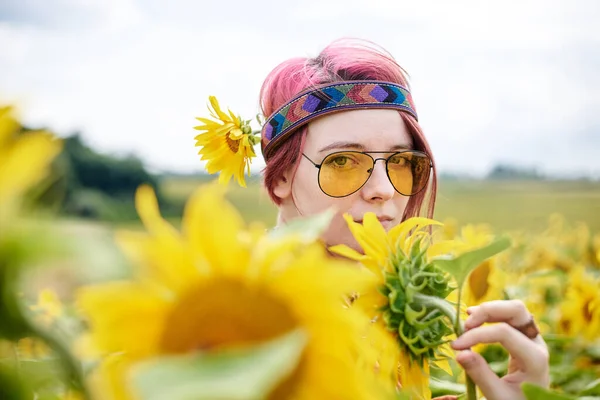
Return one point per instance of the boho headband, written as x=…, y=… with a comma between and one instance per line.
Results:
x=330, y=98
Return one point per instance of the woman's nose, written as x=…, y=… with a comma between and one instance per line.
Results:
x=378, y=187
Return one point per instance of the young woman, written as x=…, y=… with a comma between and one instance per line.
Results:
x=342, y=131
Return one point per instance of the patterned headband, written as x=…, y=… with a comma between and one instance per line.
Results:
x=330, y=98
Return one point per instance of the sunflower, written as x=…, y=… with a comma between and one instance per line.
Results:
x=24, y=160
x=542, y=293
x=487, y=281
x=227, y=144
x=400, y=260
x=217, y=285
x=580, y=311
x=48, y=308
x=596, y=250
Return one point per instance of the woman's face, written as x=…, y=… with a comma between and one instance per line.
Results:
x=358, y=130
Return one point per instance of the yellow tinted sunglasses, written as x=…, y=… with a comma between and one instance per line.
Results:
x=344, y=172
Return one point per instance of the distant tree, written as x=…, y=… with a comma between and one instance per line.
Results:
x=89, y=184
x=512, y=172
x=86, y=183
x=111, y=175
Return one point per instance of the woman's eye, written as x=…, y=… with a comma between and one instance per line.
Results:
x=340, y=161
x=398, y=161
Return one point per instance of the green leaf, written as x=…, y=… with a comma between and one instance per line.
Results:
x=461, y=266
x=242, y=374
x=308, y=229
x=441, y=387
x=533, y=392
x=592, y=389
x=403, y=395
x=593, y=351
x=259, y=119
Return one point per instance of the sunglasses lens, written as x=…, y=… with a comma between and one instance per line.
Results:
x=409, y=171
x=342, y=174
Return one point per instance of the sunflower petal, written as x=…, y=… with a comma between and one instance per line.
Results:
x=400, y=233
x=217, y=108
x=26, y=163
x=345, y=251
x=414, y=379
x=444, y=365
x=212, y=226
x=147, y=208
x=117, y=327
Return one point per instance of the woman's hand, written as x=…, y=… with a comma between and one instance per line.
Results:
x=528, y=357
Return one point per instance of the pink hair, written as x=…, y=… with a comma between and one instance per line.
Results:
x=342, y=60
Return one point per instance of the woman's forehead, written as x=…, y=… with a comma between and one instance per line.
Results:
x=373, y=129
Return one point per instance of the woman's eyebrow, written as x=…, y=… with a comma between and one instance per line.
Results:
x=402, y=147
x=342, y=145
x=358, y=146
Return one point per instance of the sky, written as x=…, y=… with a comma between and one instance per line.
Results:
x=513, y=81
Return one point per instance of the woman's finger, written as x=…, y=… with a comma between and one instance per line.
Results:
x=533, y=357
x=513, y=312
x=479, y=371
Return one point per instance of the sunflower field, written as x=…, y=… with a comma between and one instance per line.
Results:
x=215, y=305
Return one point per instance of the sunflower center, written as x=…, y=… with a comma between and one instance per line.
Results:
x=587, y=311
x=223, y=313
x=565, y=325
x=478, y=281
x=233, y=145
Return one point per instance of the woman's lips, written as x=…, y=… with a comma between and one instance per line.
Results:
x=386, y=221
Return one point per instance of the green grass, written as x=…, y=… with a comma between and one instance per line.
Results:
x=511, y=205
x=519, y=205
x=253, y=201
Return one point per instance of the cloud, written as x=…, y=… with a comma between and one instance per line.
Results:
x=74, y=15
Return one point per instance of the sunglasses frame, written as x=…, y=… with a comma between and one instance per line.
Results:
x=368, y=153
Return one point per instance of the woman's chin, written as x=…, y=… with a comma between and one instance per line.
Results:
x=346, y=240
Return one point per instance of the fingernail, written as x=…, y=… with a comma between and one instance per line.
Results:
x=470, y=310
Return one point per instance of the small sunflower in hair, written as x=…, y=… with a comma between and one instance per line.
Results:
x=226, y=143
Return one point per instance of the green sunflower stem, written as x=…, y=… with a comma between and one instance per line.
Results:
x=17, y=357
x=471, y=389
x=254, y=137
x=459, y=329
x=454, y=316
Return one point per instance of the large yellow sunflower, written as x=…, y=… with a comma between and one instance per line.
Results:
x=24, y=160
x=580, y=311
x=218, y=285
x=226, y=144
x=400, y=259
